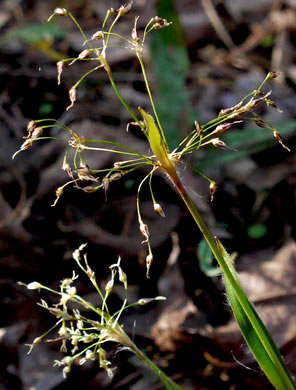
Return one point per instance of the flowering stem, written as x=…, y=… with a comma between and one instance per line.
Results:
x=169, y=383
x=139, y=55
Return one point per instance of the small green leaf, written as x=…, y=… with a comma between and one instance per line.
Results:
x=257, y=231
x=36, y=32
x=45, y=109
x=205, y=257
x=156, y=142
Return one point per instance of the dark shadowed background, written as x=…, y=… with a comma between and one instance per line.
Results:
x=214, y=54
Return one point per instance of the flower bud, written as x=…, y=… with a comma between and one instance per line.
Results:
x=26, y=145
x=144, y=230
x=34, y=286
x=149, y=260
x=122, y=275
x=37, y=132
x=226, y=111
x=90, y=273
x=158, y=209
x=144, y=301
x=66, y=371
x=30, y=127
x=60, y=68
x=37, y=340
x=80, y=324
x=72, y=96
x=59, y=193
x=89, y=355
x=59, y=12
x=85, y=54
x=213, y=190
x=67, y=168
x=118, y=164
x=160, y=23
x=109, y=286
x=97, y=35
x=135, y=35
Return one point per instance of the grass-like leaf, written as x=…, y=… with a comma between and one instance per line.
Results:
x=255, y=333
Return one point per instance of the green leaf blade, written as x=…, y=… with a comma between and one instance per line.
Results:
x=254, y=331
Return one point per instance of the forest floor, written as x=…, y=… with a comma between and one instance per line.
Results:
x=207, y=60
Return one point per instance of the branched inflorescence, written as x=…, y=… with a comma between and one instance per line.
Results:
x=86, y=337
x=90, y=179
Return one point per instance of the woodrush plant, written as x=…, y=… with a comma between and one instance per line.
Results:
x=75, y=329
x=167, y=161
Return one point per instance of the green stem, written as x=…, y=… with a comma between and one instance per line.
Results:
x=233, y=280
x=169, y=383
x=140, y=58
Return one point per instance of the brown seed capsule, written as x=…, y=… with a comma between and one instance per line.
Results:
x=123, y=10
x=85, y=174
x=85, y=54
x=30, y=127
x=160, y=23
x=218, y=143
x=260, y=123
x=89, y=189
x=96, y=36
x=226, y=111
x=220, y=129
x=115, y=176
x=198, y=128
x=271, y=103
x=278, y=137
x=272, y=75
